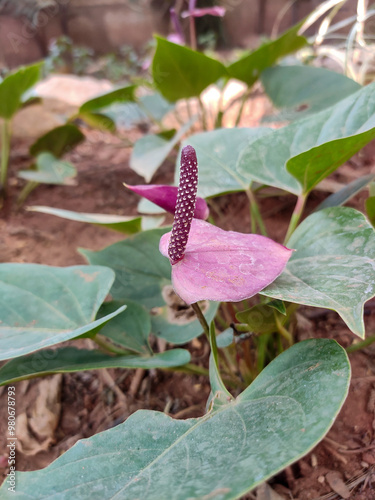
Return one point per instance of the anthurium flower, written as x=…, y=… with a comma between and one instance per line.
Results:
x=209, y=263
x=166, y=196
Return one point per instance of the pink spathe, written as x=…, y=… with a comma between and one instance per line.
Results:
x=224, y=266
x=166, y=196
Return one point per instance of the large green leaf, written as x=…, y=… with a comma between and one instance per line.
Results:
x=151, y=150
x=58, y=141
x=71, y=359
x=130, y=329
x=299, y=156
x=302, y=90
x=180, y=72
x=217, y=153
x=249, y=68
x=333, y=266
x=141, y=270
x=143, y=275
x=278, y=419
x=122, y=223
x=41, y=305
x=124, y=94
x=50, y=170
x=13, y=87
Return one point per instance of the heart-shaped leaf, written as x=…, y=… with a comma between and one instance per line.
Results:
x=172, y=70
x=122, y=223
x=224, y=265
x=308, y=150
x=50, y=170
x=14, y=86
x=141, y=272
x=71, y=359
x=150, y=151
x=249, y=68
x=302, y=90
x=333, y=266
x=42, y=305
x=217, y=153
x=124, y=94
x=58, y=141
x=278, y=419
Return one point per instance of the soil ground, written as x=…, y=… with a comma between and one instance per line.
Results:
x=82, y=404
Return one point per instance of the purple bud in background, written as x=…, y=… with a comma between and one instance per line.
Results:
x=185, y=205
x=166, y=197
x=210, y=11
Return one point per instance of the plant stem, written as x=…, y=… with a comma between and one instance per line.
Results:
x=256, y=218
x=297, y=213
x=193, y=38
x=203, y=113
x=5, y=149
x=240, y=111
x=360, y=345
x=283, y=331
x=201, y=318
x=28, y=188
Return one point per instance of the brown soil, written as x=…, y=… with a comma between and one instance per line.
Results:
x=90, y=402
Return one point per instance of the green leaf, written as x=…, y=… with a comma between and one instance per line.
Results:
x=308, y=150
x=346, y=193
x=50, y=170
x=130, y=329
x=143, y=275
x=99, y=120
x=71, y=359
x=121, y=223
x=303, y=90
x=151, y=150
x=285, y=412
x=249, y=68
x=155, y=106
x=124, y=94
x=333, y=266
x=58, y=141
x=217, y=153
x=260, y=318
x=42, y=305
x=141, y=271
x=13, y=87
x=180, y=72
x=370, y=209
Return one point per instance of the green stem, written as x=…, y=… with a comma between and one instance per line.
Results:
x=256, y=218
x=202, y=319
x=240, y=111
x=283, y=331
x=203, y=113
x=28, y=188
x=297, y=213
x=220, y=111
x=360, y=345
x=5, y=149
